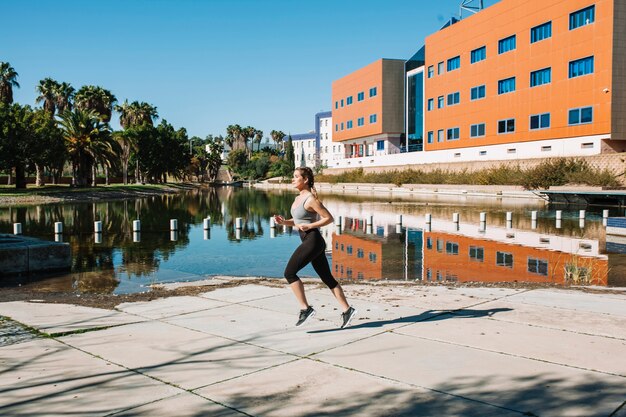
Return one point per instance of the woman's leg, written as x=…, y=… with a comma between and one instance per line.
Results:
x=320, y=264
x=298, y=290
x=299, y=259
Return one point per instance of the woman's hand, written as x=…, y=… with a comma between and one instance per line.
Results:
x=303, y=227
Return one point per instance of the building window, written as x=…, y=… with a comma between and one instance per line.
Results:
x=360, y=121
x=506, y=126
x=431, y=72
x=373, y=92
x=336, y=104
x=540, y=77
x=580, y=116
x=336, y=127
x=431, y=104
x=452, y=248
x=440, y=68
x=372, y=118
x=372, y=257
x=454, y=98
x=439, y=245
x=482, y=153
x=587, y=145
x=440, y=135
x=541, y=32
x=454, y=63
x=540, y=121
x=430, y=137
x=380, y=145
x=504, y=259
x=478, y=54
x=349, y=124
x=453, y=133
x=360, y=253
x=511, y=150
x=341, y=125
x=546, y=148
x=538, y=266
x=349, y=100
x=349, y=249
x=506, y=85
x=360, y=96
x=440, y=102
x=506, y=44
x=580, y=67
x=477, y=253
x=477, y=130
x=429, y=243
x=477, y=92
x=582, y=17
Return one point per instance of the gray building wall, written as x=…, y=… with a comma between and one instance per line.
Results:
x=393, y=96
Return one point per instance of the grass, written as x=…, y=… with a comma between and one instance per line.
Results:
x=51, y=190
x=550, y=172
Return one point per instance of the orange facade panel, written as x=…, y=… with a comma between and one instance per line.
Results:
x=518, y=263
x=356, y=258
x=555, y=52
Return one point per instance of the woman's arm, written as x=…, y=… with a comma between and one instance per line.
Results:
x=313, y=204
x=282, y=221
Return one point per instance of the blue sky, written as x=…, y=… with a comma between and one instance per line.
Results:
x=206, y=64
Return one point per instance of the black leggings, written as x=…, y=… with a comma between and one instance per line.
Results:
x=312, y=249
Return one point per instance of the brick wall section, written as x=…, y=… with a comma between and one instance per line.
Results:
x=615, y=162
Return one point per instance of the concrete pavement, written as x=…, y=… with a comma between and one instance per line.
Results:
x=411, y=351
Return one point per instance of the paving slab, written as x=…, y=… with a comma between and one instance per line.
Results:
x=514, y=383
x=168, y=307
x=47, y=378
x=182, y=405
x=60, y=318
x=554, y=346
x=555, y=318
x=319, y=389
x=179, y=356
x=574, y=300
x=244, y=293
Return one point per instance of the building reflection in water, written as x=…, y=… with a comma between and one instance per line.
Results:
x=461, y=252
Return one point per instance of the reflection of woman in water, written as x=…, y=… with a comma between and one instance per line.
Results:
x=308, y=215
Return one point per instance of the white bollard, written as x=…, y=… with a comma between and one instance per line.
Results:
x=97, y=227
x=58, y=228
x=272, y=233
x=272, y=222
x=581, y=223
x=58, y=237
x=206, y=224
x=17, y=228
x=533, y=224
x=509, y=216
x=97, y=237
x=136, y=237
x=533, y=215
x=429, y=218
x=428, y=227
x=337, y=230
x=605, y=214
x=398, y=229
x=558, y=223
x=369, y=229
x=136, y=225
x=399, y=219
x=559, y=214
x=173, y=224
x=238, y=234
x=482, y=228
x=338, y=221
x=238, y=223
x=581, y=214
x=455, y=217
x=207, y=234
x=370, y=220
x=483, y=217
x=173, y=235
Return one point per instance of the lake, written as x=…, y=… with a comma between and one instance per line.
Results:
x=370, y=244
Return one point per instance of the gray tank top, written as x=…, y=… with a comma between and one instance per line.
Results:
x=301, y=215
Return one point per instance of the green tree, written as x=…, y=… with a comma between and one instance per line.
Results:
x=258, y=137
x=290, y=158
x=277, y=136
x=95, y=98
x=88, y=142
x=48, y=90
x=16, y=138
x=8, y=80
x=214, y=157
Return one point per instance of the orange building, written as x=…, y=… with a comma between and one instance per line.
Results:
x=367, y=109
x=452, y=257
x=549, y=72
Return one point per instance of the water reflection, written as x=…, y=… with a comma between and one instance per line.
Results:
x=370, y=243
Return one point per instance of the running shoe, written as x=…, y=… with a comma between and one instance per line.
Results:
x=347, y=316
x=305, y=315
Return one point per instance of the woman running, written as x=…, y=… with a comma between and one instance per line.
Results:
x=308, y=215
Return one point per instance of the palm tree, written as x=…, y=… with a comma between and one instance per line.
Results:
x=136, y=114
x=48, y=90
x=95, y=98
x=64, y=96
x=277, y=137
x=233, y=136
x=258, y=136
x=88, y=140
x=8, y=80
x=247, y=134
